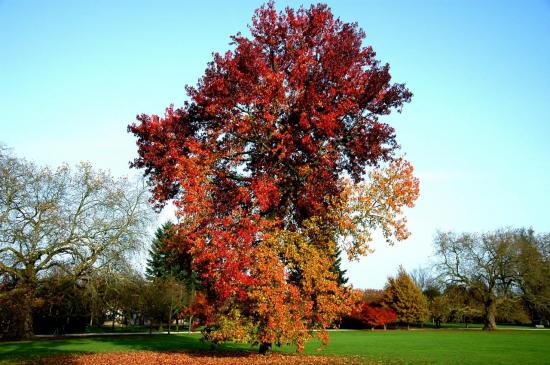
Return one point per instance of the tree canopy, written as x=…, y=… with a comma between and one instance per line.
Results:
x=495, y=265
x=162, y=261
x=406, y=298
x=64, y=220
x=278, y=156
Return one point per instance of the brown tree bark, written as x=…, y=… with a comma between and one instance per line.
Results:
x=170, y=320
x=24, y=322
x=265, y=348
x=24, y=328
x=27, y=323
x=490, y=309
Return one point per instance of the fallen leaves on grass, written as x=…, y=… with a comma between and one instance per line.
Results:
x=191, y=358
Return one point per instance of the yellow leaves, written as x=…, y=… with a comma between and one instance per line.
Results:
x=232, y=326
x=375, y=204
x=405, y=298
x=295, y=290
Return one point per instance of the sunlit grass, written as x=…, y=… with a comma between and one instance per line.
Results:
x=414, y=346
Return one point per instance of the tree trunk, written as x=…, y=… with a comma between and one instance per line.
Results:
x=190, y=323
x=265, y=348
x=23, y=297
x=22, y=328
x=25, y=327
x=489, y=323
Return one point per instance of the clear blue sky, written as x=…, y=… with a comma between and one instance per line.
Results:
x=73, y=74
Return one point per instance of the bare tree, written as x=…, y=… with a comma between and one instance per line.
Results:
x=175, y=295
x=426, y=279
x=483, y=263
x=68, y=220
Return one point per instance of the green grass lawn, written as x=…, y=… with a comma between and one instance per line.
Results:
x=410, y=347
x=49, y=347
x=133, y=329
x=444, y=346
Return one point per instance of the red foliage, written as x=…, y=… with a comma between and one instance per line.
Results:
x=378, y=316
x=254, y=162
x=373, y=315
x=191, y=358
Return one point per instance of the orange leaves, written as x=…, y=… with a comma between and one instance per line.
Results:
x=278, y=304
x=193, y=358
x=375, y=204
x=392, y=189
x=295, y=288
x=254, y=162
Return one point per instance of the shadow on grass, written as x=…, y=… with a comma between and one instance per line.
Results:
x=33, y=350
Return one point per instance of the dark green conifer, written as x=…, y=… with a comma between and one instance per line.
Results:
x=336, y=267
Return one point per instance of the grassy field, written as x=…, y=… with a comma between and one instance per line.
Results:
x=444, y=346
x=409, y=347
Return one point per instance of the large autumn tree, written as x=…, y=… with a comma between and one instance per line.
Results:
x=278, y=156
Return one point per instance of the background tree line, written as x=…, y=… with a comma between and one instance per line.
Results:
x=497, y=276
x=401, y=302
x=489, y=278
x=67, y=237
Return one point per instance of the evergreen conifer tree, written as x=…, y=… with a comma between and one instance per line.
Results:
x=161, y=263
x=336, y=267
